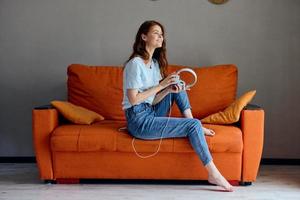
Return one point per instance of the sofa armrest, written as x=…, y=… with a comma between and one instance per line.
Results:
x=252, y=126
x=252, y=107
x=44, y=121
x=44, y=107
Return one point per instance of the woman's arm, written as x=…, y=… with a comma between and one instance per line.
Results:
x=159, y=96
x=170, y=89
x=136, y=97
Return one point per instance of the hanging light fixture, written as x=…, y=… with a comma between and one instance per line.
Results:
x=218, y=1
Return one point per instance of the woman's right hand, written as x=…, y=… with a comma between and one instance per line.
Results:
x=169, y=80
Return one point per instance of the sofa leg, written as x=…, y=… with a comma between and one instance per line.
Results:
x=245, y=183
x=49, y=181
x=67, y=181
x=234, y=182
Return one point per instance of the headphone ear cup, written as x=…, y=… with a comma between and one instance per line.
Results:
x=182, y=84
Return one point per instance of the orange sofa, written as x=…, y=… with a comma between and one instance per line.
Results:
x=70, y=152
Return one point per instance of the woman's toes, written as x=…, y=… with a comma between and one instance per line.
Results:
x=220, y=181
x=212, y=132
x=208, y=132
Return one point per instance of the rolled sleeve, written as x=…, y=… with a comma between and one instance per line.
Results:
x=133, y=76
x=159, y=76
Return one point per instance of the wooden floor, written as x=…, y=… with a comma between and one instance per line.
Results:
x=21, y=182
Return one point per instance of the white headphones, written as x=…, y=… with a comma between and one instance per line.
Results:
x=181, y=82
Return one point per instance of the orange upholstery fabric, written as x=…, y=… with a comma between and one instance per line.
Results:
x=148, y=147
x=100, y=136
x=104, y=136
x=214, y=91
x=43, y=123
x=231, y=114
x=123, y=165
x=76, y=114
x=100, y=89
x=252, y=125
x=227, y=139
x=97, y=88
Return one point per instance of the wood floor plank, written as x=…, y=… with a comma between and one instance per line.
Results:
x=21, y=181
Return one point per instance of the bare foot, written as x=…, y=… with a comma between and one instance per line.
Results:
x=219, y=180
x=208, y=132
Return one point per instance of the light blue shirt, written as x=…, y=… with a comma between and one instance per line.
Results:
x=137, y=75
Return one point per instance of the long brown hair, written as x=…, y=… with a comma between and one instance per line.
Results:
x=139, y=47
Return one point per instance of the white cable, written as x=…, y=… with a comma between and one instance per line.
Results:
x=161, y=137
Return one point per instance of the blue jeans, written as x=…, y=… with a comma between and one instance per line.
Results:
x=148, y=122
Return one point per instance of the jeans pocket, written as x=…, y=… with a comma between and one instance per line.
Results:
x=139, y=109
x=139, y=112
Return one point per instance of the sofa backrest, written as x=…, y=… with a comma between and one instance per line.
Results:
x=99, y=88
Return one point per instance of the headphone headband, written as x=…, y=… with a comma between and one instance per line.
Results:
x=190, y=71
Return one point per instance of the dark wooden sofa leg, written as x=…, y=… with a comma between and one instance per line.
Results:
x=49, y=181
x=242, y=183
x=67, y=181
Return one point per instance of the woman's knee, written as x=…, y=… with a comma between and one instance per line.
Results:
x=195, y=124
x=182, y=94
x=182, y=100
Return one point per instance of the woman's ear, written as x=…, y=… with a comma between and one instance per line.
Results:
x=144, y=37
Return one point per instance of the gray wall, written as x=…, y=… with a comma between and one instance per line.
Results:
x=39, y=39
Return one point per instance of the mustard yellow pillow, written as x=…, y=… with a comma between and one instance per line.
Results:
x=232, y=113
x=76, y=114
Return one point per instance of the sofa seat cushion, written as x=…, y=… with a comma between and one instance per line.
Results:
x=104, y=136
x=124, y=144
x=100, y=136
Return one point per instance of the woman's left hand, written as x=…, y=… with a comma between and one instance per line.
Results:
x=176, y=88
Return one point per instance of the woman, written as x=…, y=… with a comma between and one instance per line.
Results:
x=148, y=92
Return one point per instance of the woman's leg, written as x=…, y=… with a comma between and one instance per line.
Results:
x=153, y=128
x=188, y=114
x=182, y=101
x=214, y=176
x=164, y=127
x=163, y=107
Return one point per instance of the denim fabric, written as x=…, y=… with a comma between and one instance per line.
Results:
x=148, y=122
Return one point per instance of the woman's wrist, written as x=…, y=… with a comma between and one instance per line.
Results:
x=167, y=90
x=160, y=87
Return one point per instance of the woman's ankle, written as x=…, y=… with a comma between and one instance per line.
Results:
x=188, y=113
x=212, y=169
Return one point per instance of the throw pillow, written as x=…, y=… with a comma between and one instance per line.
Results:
x=232, y=113
x=76, y=114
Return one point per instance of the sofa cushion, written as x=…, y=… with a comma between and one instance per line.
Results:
x=100, y=136
x=76, y=114
x=99, y=88
x=104, y=136
x=214, y=91
x=124, y=144
x=232, y=113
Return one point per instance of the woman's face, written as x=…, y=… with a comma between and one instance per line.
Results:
x=154, y=37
